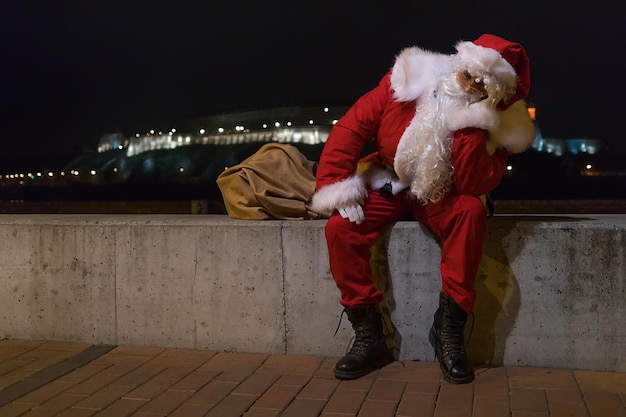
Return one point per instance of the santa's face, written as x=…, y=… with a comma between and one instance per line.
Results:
x=473, y=86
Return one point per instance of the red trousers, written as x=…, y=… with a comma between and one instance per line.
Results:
x=458, y=220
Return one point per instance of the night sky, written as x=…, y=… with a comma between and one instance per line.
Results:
x=74, y=70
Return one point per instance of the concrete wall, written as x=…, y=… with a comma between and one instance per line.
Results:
x=551, y=290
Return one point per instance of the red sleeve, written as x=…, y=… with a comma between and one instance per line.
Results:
x=351, y=133
x=475, y=171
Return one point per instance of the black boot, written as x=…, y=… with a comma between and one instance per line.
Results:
x=369, y=350
x=446, y=337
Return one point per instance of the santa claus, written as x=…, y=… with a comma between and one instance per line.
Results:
x=444, y=126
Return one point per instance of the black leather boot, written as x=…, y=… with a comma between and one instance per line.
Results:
x=446, y=337
x=369, y=350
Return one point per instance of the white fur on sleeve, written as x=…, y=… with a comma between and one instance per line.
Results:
x=516, y=131
x=348, y=192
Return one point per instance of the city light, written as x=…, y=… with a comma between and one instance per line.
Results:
x=92, y=172
x=588, y=166
x=509, y=168
x=202, y=131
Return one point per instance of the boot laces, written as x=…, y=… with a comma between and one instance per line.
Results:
x=453, y=339
x=363, y=339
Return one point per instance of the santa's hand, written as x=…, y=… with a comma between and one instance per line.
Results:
x=352, y=213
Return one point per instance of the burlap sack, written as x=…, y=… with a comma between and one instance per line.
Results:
x=276, y=182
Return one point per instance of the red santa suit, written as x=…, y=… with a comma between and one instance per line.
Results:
x=481, y=139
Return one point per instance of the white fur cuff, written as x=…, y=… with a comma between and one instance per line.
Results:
x=348, y=192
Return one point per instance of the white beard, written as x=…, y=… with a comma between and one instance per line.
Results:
x=422, y=160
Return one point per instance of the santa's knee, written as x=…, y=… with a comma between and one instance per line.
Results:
x=470, y=207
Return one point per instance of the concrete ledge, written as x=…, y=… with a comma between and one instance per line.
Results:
x=551, y=290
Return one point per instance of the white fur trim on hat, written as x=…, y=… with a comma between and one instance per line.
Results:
x=416, y=71
x=348, y=192
x=479, y=60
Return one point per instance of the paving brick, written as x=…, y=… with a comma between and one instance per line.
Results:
x=265, y=412
x=7, y=353
x=416, y=405
x=15, y=409
x=544, y=379
x=345, y=401
x=301, y=407
x=362, y=384
x=11, y=364
x=166, y=402
x=324, y=372
x=73, y=347
x=293, y=380
x=234, y=405
x=529, y=400
x=375, y=408
x=456, y=396
x=247, y=362
x=318, y=389
x=383, y=390
x=93, y=384
x=151, y=389
x=604, y=404
x=195, y=380
x=212, y=393
x=20, y=344
x=612, y=382
x=176, y=372
x=492, y=387
x=256, y=384
x=429, y=387
x=564, y=396
x=233, y=376
x=277, y=397
x=191, y=410
x=291, y=364
x=137, y=350
x=122, y=408
x=139, y=375
x=84, y=372
x=407, y=375
x=568, y=409
x=46, y=392
x=54, y=406
x=78, y=412
x=14, y=376
x=185, y=356
x=104, y=397
x=491, y=407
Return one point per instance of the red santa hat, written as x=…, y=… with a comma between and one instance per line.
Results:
x=505, y=60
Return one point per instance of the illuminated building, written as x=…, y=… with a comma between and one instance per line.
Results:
x=560, y=147
x=306, y=125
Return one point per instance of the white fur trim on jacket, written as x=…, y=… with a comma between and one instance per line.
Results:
x=416, y=71
x=345, y=193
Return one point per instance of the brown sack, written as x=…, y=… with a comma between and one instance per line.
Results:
x=276, y=182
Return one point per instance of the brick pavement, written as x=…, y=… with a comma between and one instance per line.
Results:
x=42, y=379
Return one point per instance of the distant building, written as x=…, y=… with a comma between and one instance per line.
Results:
x=560, y=147
x=308, y=125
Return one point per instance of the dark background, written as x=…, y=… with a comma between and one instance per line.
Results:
x=71, y=71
